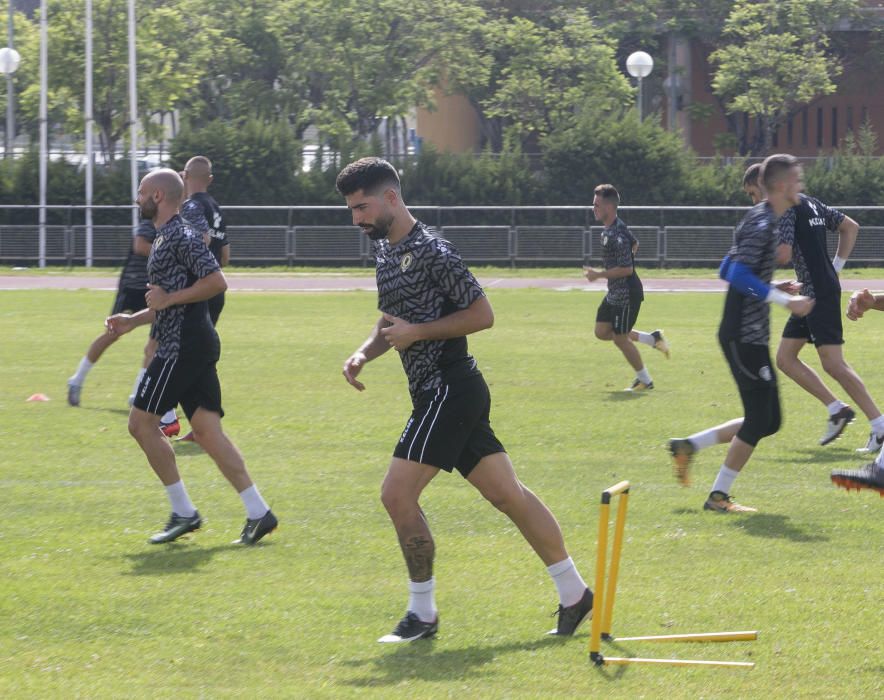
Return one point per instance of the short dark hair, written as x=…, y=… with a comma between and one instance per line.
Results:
x=370, y=175
x=608, y=193
x=774, y=167
x=750, y=177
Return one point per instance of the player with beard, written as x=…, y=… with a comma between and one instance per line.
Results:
x=182, y=275
x=429, y=302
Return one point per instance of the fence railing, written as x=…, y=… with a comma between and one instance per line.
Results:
x=494, y=235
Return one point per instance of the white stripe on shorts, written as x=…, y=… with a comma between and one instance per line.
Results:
x=151, y=405
x=430, y=429
x=417, y=432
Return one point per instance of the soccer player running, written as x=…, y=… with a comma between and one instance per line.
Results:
x=429, y=302
x=130, y=298
x=183, y=275
x=619, y=309
x=744, y=334
x=202, y=212
x=871, y=476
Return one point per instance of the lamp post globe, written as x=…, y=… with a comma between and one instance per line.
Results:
x=639, y=65
x=9, y=60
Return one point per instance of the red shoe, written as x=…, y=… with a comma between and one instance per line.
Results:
x=170, y=430
x=186, y=438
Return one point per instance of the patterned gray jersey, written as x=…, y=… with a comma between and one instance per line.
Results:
x=204, y=215
x=134, y=275
x=745, y=319
x=420, y=279
x=617, y=242
x=177, y=259
x=804, y=228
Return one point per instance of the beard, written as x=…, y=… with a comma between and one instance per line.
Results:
x=148, y=210
x=379, y=229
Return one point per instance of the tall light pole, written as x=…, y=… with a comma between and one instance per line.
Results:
x=9, y=60
x=133, y=112
x=88, y=129
x=639, y=65
x=44, y=125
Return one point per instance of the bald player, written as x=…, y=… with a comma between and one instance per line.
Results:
x=182, y=276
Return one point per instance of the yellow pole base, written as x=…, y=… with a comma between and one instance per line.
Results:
x=747, y=636
x=611, y=661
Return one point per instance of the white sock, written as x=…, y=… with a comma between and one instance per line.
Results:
x=704, y=439
x=80, y=375
x=422, y=599
x=878, y=425
x=138, y=379
x=643, y=376
x=568, y=582
x=256, y=507
x=725, y=480
x=835, y=406
x=169, y=417
x=181, y=503
x=646, y=338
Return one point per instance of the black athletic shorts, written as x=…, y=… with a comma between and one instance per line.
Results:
x=129, y=301
x=449, y=427
x=822, y=326
x=190, y=379
x=757, y=384
x=216, y=304
x=621, y=317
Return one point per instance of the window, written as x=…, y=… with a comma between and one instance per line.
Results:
x=850, y=118
x=790, y=129
x=804, y=126
x=819, y=127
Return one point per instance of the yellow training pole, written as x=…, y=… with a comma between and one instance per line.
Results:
x=611, y=592
x=595, y=637
x=609, y=661
x=747, y=636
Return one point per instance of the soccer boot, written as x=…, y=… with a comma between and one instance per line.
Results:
x=74, y=394
x=255, y=529
x=411, y=628
x=871, y=476
x=639, y=385
x=722, y=503
x=836, y=424
x=571, y=617
x=660, y=343
x=186, y=438
x=170, y=430
x=873, y=445
x=682, y=451
x=178, y=525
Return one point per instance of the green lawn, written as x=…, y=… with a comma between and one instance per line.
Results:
x=89, y=609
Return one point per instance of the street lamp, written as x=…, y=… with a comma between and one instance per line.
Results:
x=639, y=65
x=9, y=60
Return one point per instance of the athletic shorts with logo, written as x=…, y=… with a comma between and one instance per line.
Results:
x=621, y=317
x=822, y=326
x=190, y=379
x=450, y=427
x=757, y=383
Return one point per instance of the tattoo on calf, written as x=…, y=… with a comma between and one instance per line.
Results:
x=419, y=552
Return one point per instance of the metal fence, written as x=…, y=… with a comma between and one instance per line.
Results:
x=494, y=235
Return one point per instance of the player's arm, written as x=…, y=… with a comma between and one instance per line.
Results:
x=611, y=273
x=120, y=324
x=864, y=301
x=848, y=230
x=476, y=317
x=373, y=347
x=225, y=256
x=747, y=283
x=141, y=246
x=204, y=288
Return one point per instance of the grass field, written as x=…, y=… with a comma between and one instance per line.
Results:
x=89, y=609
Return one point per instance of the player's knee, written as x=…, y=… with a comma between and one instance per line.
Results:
x=834, y=367
x=604, y=334
x=395, y=501
x=784, y=362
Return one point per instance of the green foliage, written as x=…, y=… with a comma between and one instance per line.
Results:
x=254, y=162
x=646, y=163
x=853, y=174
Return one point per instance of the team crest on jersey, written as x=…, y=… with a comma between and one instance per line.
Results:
x=158, y=242
x=407, y=259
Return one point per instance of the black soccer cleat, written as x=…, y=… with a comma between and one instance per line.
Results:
x=871, y=476
x=178, y=525
x=573, y=616
x=255, y=529
x=410, y=628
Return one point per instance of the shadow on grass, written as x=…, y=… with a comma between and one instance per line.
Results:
x=121, y=411
x=827, y=455
x=174, y=558
x=187, y=449
x=624, y=395
x=775, y=527
x=419, y=661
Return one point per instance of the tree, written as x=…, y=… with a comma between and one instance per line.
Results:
x=164, y=73
x=777, y=59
